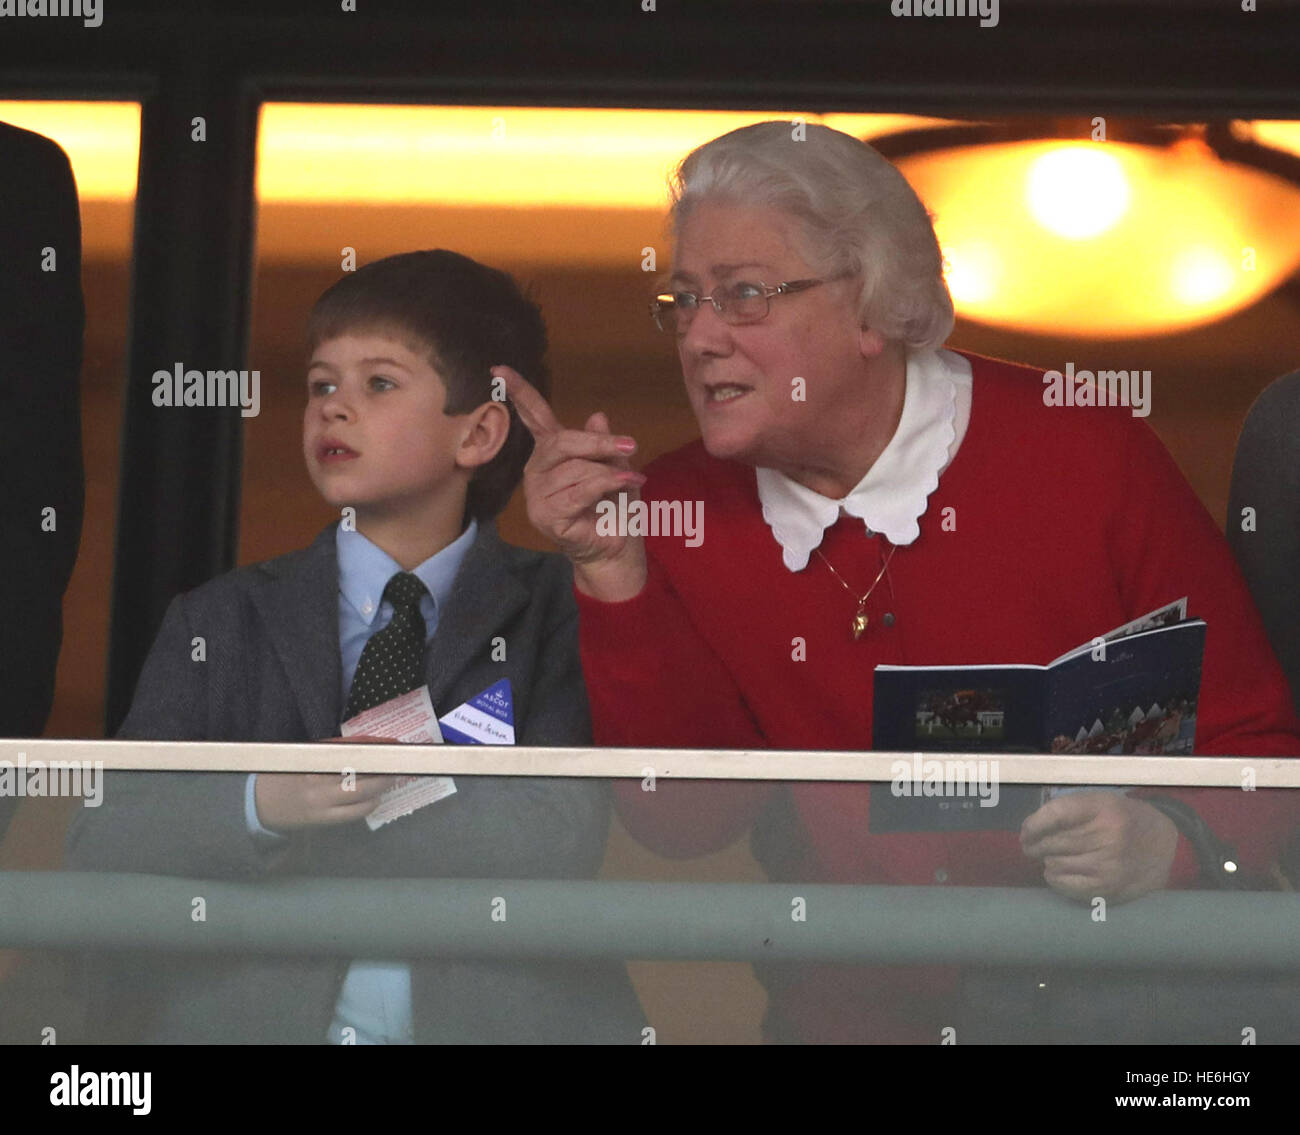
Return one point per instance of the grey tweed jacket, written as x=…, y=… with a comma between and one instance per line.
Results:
x=273, y=673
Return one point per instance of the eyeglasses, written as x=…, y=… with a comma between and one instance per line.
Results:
x=741, y=302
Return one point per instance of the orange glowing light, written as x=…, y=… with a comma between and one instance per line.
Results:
x=497, y=156
x=1106, y=239
x=1077, y=192
x=101, y=139
x=1066, y=238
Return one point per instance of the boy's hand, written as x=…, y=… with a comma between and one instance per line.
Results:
x=569, y=473
x=289, y=800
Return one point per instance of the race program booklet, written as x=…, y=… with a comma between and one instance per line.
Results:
x=1137, y=694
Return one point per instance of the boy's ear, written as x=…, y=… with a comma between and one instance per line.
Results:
x=486, y=429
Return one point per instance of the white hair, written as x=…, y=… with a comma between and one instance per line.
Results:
x=858, y=215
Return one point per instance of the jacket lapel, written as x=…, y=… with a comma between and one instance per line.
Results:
x=299, y=607
x=484, y=598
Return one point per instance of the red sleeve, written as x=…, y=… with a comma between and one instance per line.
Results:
x=653, y=681
x=1164, y=544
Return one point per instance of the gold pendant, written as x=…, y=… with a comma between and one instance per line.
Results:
x=859, y=625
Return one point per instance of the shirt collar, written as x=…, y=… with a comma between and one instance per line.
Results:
x=365, y=569
x=893, y=494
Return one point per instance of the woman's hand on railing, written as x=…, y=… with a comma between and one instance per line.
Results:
x=569, y=474
x=1101, y=844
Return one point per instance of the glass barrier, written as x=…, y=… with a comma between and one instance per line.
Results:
x=944, y=905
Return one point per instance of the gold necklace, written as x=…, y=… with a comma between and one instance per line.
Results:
x=860, y=619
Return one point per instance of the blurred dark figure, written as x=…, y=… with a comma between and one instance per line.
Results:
x=42, y=318
x=1266, y=479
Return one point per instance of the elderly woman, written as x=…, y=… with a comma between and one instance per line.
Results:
x=872, y=498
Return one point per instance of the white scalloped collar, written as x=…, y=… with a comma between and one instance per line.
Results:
x=893, y=495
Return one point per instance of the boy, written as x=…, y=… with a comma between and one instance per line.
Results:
x=402, y=434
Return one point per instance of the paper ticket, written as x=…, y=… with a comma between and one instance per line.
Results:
x=410, y=720
x=408, y=794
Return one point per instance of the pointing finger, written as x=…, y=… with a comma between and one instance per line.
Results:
x=568, y=445
x=534, y=411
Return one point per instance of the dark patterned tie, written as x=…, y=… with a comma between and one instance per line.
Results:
x=392, y=662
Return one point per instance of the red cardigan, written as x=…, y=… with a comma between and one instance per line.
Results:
x=1068, y=521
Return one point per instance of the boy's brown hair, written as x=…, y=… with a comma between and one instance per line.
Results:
x=466, y=317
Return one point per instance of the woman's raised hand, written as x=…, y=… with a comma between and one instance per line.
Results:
x=569, y=473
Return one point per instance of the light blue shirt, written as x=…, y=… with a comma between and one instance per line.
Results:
x=375, y=1000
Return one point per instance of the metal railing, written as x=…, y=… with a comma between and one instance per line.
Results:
x=642, y=921
x=648, y=921
x=724, y=764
